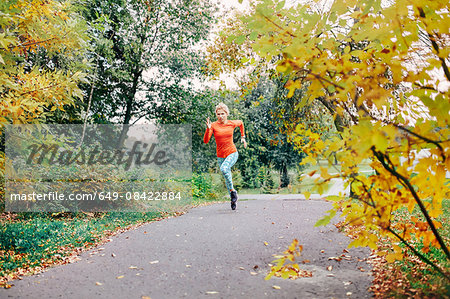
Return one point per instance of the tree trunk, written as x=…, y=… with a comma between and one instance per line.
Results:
x=129, y=108
x=284, y=177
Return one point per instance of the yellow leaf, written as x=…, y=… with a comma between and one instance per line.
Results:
x=390, y=258
x=307, y=194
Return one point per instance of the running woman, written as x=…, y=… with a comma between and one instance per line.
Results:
x=227, y=153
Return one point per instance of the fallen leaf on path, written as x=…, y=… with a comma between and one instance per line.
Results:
x=153, y=262
x=347, y=283
x=188, y=266
x=120, y=277
x=322, y=251
x=265, y=243
x=145, y=297
x=349, y=293
x=253, y=273
x=133, y=267
x=241, y=268
x=212, y=292
x=336, y=258
x=113, y=254
x=276, y=287
x=99, y=283
x=306, y=261
x=346, y=257
x=255, y=267
x=329, y=268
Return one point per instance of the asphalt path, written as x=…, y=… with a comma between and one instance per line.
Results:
x=213, y=252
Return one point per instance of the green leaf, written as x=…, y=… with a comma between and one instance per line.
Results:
x=253, y=35
x=240, y=39
x=280, y=5
x=326, y=219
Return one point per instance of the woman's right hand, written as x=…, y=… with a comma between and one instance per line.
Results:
x=208, y=123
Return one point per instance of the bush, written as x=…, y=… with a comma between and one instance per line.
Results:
x=237, y=179
x=203, y=187
x=268, y=182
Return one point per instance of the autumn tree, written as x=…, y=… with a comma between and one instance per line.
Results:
x=383, y=66
x=34, y=82
x=30, y=89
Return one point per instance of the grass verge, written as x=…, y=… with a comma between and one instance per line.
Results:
x=411, y=277
x=31, y=242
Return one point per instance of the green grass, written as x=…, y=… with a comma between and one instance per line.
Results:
x=31, y=240
x=306, y=184
x=422, y=277
x=363, y=167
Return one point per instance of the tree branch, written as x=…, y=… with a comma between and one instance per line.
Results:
x=417, y=253
x=423, y=138
x=382, y=158
x=28, y=44
x=278, y=26
x=437, y=143
x=436, y=47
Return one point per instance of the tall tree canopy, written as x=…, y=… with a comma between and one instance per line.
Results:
x=144, y=52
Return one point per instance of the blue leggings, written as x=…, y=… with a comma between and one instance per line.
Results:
x=225, y=166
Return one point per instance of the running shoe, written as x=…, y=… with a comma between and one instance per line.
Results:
x=234, y=198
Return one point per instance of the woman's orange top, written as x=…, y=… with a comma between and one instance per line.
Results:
x=223, y=133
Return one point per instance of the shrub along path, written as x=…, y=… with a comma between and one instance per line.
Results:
x=213, y=251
